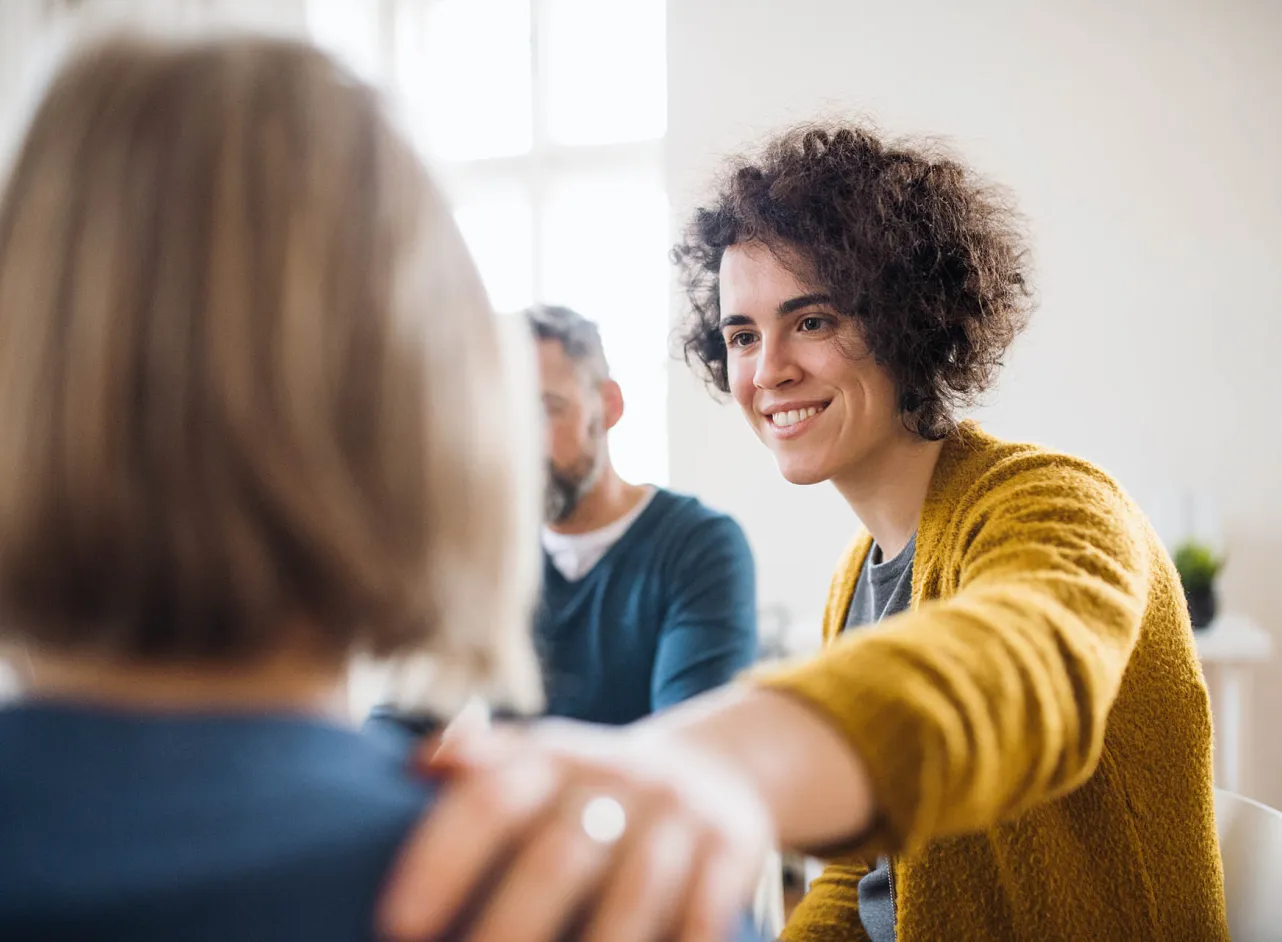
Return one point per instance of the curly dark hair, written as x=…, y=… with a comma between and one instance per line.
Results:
x=927, y=258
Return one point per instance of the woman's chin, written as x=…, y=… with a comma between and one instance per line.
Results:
x=800, y=472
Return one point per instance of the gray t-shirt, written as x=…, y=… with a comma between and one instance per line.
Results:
x=884, y=588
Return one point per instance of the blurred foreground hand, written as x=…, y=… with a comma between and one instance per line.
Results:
x=624, y=834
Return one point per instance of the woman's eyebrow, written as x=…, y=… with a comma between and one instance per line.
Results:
x=801, y=301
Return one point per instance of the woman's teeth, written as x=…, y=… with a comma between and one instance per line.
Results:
x=793, y=416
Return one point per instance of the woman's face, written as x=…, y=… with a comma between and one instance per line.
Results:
x=801, y=372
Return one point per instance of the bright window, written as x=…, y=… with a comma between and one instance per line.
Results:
x=499, y=229
x=545, y=119
x=468, y=86
x=606, y=71
x=347, y=27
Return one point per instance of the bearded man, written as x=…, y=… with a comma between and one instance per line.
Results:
x=649, y=596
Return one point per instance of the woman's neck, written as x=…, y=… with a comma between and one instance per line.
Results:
x=281, y=682
x=887, y=491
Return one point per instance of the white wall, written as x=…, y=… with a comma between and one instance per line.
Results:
x=1144, y=143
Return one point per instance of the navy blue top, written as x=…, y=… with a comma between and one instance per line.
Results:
x=185, y=827
x=198, y=828
x=667, y=613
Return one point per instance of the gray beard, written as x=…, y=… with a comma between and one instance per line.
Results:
x=565, y=489
x=561, y=496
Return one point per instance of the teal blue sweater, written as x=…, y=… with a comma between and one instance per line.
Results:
x=668, y=612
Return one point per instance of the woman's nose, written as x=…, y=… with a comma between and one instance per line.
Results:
x=775, y=367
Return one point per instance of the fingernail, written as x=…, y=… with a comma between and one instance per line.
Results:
x=427, y=748
x=472, y=750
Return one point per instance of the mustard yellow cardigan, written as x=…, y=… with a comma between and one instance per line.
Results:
x=1036, y=727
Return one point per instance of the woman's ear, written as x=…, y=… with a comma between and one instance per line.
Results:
x=612, y=403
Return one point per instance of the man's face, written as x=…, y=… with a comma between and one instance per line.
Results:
x=575, y=430
x=801, y=373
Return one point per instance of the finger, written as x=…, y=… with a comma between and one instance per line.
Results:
x=643, y=894
x=458, y=844
x=473, y=718
x=545, y=887
x=716, y=897
x=469, y=747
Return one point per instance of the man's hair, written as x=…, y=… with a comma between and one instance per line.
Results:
x=249, y=377
x=926, y=258
x=578, y=336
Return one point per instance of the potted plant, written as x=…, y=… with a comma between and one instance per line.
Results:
x=1198, y=565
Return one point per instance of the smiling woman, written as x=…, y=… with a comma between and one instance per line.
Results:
x=800, y=371
x=981, y=764
x=852, y=295
x=902, y=227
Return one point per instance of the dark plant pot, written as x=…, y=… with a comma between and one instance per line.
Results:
x=1201, y=605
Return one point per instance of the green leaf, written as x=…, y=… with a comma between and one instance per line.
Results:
x=1197, y=564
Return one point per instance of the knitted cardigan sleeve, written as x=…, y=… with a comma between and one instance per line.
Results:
x=830, y=909
x=976, y=706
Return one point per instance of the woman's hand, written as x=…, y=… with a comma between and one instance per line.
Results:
x=630, y=834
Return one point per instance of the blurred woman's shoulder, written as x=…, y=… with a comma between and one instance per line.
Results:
x=121, y=825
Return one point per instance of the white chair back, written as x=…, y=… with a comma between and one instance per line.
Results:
x=1251, y=847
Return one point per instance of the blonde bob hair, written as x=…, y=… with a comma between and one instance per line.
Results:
x=249, y=378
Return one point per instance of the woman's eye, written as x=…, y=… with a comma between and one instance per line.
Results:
x=812, y=323
x=741, y=339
